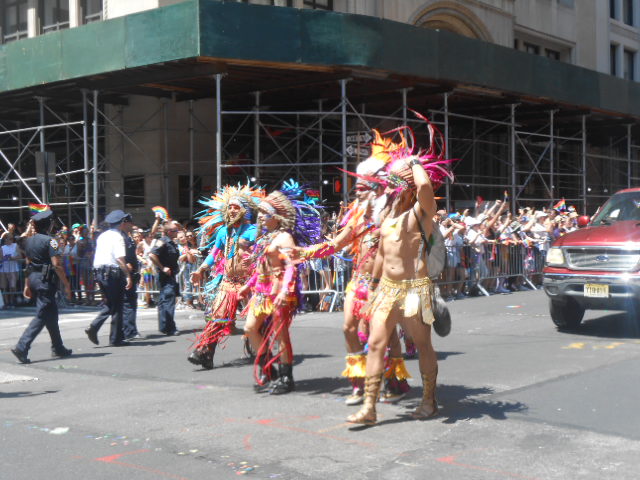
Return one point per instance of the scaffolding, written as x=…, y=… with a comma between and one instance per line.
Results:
x=532, y=154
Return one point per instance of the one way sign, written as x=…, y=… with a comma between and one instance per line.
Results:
x=354, y=151
x=360, y=137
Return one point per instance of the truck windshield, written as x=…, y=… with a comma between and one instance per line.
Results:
x=622, y=206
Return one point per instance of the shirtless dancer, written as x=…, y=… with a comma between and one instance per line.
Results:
x=404, y=291
x=360, y=231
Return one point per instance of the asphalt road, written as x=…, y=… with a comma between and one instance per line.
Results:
x=519, y=400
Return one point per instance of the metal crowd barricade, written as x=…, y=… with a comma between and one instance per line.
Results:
x=466, y=266
x=471, y=265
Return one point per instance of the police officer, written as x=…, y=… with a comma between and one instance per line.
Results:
x=165, y=256
x=113, y=277
x=44, y=269
x=130, y=307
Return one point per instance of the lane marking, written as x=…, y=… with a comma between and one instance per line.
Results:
x=576, y=345
x=608, y=347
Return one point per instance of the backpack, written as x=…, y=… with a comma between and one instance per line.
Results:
x=435, y=248
x=437, y=252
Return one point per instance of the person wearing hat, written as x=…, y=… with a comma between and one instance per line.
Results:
x=113, y=277
x=43, y=271
x=130, y=306
x=83, y=253
x=165, y=256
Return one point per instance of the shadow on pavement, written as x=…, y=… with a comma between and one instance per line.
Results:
x=25, y=394
x=612, y=325
x=323, y=385
x=298, y=359
x=444, y=355
x=72, y=357
x=455, y=404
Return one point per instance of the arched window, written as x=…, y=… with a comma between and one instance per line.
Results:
x=452, y=17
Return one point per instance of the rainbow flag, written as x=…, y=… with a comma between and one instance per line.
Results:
x=38, y=207
x=560, y=205
x=162, y=211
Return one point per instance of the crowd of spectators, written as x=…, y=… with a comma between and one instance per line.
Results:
x=493, y=250
x=490, y=249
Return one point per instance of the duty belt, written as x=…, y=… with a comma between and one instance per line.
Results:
x=108, y=269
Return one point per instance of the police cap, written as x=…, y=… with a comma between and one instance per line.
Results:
x=117, y=216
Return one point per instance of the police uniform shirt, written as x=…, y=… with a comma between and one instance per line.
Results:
x=109, y=247
x=130, y=252
x=39, y=249
x=167, y=253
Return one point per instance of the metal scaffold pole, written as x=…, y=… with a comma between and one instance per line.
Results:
x=552, y=144
x=165, y=140
x=218, y=133
x=320, y=140
x=628, y=156
x=95, y=156
x=584, y=164
x=512, y=153
x=446, y=143
x=256, y=139
x=45, y=183
x=191, y=157
x=343, y=108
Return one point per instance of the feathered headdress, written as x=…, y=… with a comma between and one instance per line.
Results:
x=215, y=214
x=295, y=215
x=395, y=171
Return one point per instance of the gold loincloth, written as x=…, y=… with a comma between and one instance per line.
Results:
x=413, y=297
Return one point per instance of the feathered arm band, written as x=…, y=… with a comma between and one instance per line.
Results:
x=252, y=281
x=319, y=250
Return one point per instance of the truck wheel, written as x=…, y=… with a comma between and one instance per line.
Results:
x=567, y=314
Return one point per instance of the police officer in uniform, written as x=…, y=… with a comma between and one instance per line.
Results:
x=165, y=256
x=113, y=277
x=130, y=307
x=44, y=269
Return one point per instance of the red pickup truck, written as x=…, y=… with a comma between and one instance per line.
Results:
x=598, y=266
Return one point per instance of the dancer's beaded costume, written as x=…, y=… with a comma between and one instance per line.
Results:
x=302, y=221
x=233, y=238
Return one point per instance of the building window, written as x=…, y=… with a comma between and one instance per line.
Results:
x=627, y=11
x=613, y=59
x=553, y=54
x=54, y=15
x=629, y=65
x=612, y=9
x=567, y=3
x=183, y=190
x=133, y=191
x=91, y=10
x=319, y=4
x=13, y=19
x=273, y=3
x=531, y=48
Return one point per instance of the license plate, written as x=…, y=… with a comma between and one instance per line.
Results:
x=596, y=290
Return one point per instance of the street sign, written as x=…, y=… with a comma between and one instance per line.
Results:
x=359, y=137
x=355, y=151
x=45, y=166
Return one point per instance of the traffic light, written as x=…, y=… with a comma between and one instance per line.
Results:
x=337, y=185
